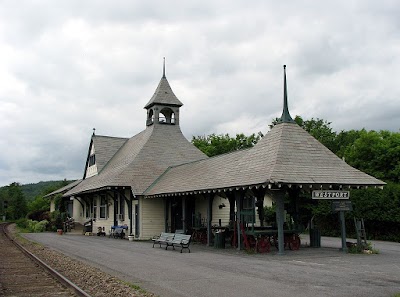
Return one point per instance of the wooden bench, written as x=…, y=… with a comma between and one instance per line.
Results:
x=164, y=238
x=181, y=240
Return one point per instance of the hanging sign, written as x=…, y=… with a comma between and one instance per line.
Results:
x=330, y=194
x=342, y=205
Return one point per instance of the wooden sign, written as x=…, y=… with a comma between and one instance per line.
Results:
x=342, y=205
x=330, y=194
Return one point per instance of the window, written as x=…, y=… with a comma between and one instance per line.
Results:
x=92, y=160
x=103, y=207
x=120, y=207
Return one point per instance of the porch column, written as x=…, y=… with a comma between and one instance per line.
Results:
x=210, y=198
x=130, y=213
x=184, y=214
x=115, y=209
x=238, y=218
x=280, y=213
x=166, y=214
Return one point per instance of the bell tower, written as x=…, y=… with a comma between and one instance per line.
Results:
x=163, y=107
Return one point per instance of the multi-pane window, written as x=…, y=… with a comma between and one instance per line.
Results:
x=103, y=207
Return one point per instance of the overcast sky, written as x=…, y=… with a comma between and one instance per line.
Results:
x=67, y=67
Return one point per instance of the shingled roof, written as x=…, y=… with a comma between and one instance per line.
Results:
x=287, y=155
x=65, y=188
x=142, y=159
x=164, y=95
x=105, y=148
x=137, y=162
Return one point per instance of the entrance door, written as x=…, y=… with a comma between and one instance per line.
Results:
x=176, y=214
x=137, y=232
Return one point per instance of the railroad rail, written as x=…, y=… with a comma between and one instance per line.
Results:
x=24, y=274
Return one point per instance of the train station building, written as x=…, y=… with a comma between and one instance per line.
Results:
x=157, y=181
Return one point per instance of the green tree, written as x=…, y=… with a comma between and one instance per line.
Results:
x=17, y=207
x=346, y=139
x=39, y=203
x=213, y=144
x=376, y=153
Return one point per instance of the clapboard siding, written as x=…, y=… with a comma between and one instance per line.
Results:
x=151, y=212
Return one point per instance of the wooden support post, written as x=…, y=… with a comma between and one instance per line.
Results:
x=210, y=198
x=130, y=210
x=115, y=209
x=238, y=199
x=166, y=214
x=279, y=197
x=343, y=227
x=184, y=214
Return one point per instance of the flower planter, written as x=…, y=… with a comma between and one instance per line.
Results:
x=59, y=231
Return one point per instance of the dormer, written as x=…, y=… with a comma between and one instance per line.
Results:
x=163, y=107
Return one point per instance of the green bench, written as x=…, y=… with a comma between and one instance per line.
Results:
x=173, y=239
x=181, y=240
x=164, y=238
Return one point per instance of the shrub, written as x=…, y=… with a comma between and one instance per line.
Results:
x=40, y=226
x=22, y=223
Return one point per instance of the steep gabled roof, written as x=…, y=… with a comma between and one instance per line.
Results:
x=64, y=189
x=105, y=148
x=285, y=155
x=142, y=159
x=164, y=95
x=116, y=164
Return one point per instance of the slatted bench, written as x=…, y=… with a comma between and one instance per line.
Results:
x=181, y=240
x=164, y=238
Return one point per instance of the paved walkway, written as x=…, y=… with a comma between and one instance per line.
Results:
x=211, y=272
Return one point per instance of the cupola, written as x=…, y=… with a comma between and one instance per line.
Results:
x=163, y=107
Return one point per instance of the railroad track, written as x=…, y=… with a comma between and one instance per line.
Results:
x=23, y=274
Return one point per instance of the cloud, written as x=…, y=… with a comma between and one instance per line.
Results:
x=71, y=66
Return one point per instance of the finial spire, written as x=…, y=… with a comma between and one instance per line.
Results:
x=285, y=117
x=94, y=131
x=163, y=75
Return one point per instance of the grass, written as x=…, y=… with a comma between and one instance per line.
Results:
x=133, y=286
x=360, y=250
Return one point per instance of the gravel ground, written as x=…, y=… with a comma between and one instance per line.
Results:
x=90, y=279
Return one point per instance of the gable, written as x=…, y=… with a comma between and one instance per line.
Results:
x=101, y=150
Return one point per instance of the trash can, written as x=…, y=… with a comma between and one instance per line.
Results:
x=315, y=238
x=219, y=240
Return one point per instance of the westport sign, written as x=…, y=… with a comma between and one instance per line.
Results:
x=330, y=194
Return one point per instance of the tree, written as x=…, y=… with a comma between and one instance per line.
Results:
x=17, y=207
x=346, y=139
x=376, y=153
x=213, y=144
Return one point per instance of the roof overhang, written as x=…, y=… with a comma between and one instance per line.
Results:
x=269, y=186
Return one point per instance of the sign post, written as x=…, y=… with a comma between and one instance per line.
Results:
x=340, y=204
